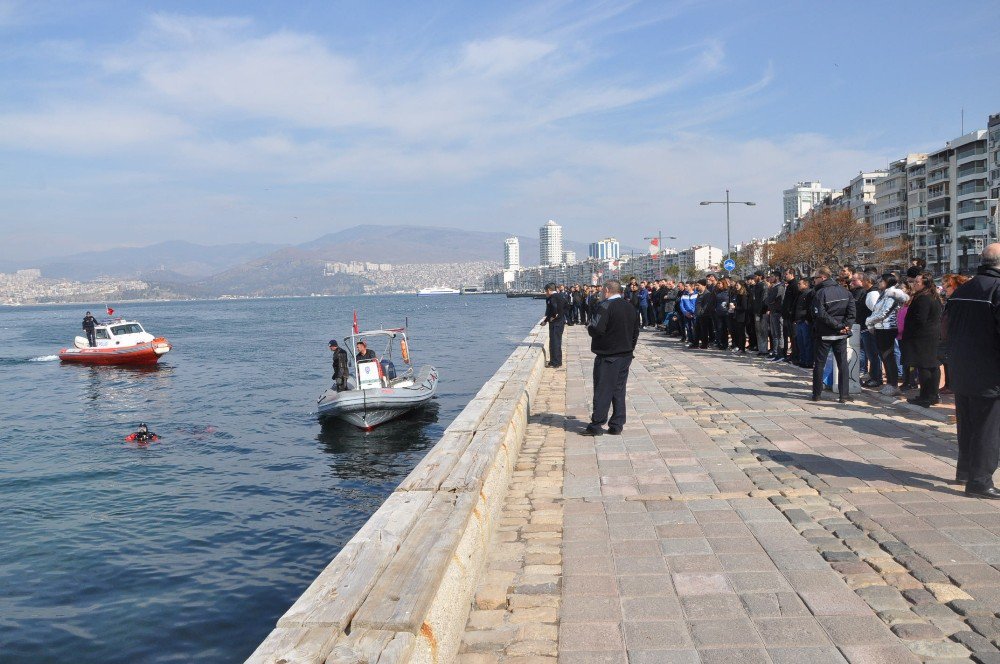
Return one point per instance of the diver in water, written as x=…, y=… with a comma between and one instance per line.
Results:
x=142, y=435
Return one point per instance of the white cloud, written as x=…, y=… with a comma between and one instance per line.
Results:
x=93, y=129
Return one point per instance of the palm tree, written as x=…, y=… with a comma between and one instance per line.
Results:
x=966, y=242
x=938, y=231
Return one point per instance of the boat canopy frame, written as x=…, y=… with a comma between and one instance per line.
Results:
x=390, y=335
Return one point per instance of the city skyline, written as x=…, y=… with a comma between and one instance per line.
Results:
x=212, y=121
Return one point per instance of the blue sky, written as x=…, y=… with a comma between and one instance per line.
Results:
x=127, y=123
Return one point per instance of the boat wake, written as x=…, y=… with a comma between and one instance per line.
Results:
x=45, y=358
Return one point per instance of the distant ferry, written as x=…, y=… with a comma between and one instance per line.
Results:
x=438, y=290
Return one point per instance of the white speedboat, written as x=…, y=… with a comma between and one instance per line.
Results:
x=376, y=392
x=438, y=290
x=119, y=341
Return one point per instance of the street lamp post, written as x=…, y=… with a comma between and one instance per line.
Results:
x=727, y=203
x=659, y=250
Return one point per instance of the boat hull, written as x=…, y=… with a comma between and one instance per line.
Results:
x=138, y=355
x=366, y=409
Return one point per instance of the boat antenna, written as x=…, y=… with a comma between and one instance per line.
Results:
x=407, y=324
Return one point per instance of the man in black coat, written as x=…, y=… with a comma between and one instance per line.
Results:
x=833, y=314
x=973, y=332
x=758, y=306
x=89, y=323
x=340, y=366
x=788, y=300
x=614, y=332
x=555, y=317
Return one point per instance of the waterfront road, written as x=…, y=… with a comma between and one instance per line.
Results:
x=734, y=521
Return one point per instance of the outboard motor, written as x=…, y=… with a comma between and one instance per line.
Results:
x=389, y=369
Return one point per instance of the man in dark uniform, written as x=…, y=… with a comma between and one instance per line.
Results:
x=973, y=332
x=89, y=323
x=364, y=353
x=555, y=317
x=614, y=332
x=833, y=313
x=340, y=368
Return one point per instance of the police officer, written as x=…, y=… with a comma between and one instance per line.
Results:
x=555, y=318
x=340, y=368
x=833, y=313
x=973, y=328
x=614, y=332
x=89, y=323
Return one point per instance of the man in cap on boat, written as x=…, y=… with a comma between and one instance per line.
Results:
x=555, y=318
x=89, y=323
x=340, y=369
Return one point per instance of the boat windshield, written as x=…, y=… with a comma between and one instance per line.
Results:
x=128, y=328
x=101, y=333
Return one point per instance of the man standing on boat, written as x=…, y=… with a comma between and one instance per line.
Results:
x=614, y=332
x=89, y=323
x=340, y=368
x=555, y=318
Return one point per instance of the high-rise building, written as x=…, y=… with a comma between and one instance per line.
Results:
x=799, y=200
x=568, y=257
x=605, y=249
x=511, y=254
x=891, y=217
x=993, y=162
x=859, y=195
x=971, y=221
x=550, y=244
x=698, y=259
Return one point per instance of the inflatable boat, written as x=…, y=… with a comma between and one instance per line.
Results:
x=376, y=392
x=119, y=341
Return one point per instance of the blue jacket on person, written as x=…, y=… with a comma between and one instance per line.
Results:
x=688, y=301
x=643, y=297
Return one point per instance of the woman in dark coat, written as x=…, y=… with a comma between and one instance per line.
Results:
x=921, y=336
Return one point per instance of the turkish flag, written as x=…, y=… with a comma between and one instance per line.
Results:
x=111, y=312
x=356, y=329
x=654, y=246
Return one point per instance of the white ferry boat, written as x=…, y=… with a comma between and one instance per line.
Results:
x=438, y=290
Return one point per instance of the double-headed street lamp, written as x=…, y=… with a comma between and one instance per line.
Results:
x=727, y=203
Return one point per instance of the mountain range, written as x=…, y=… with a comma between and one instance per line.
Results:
x=270, y=269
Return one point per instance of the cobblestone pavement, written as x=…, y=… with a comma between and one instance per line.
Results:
x=515, y=612
x=736, y=521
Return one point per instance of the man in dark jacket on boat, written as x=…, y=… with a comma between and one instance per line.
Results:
x=973, y=332
x=89, y=323
x=556, y=305
x=364, y=353
x=614, y=332
x=340, y=368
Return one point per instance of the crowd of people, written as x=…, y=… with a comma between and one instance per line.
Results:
x=911, y=330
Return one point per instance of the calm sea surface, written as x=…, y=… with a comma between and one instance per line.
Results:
x=190, y=549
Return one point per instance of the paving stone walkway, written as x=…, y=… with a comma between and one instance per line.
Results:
x=736, y=521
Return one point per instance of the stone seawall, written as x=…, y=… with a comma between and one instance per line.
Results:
x=400, y=590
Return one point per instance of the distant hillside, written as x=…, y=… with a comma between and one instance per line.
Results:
x=175, y=261
x=284, y=272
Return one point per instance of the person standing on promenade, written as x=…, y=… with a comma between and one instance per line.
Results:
x=803, y=323
x=775, y=295
x=758, y=304
x=973, y=330
x=921, y=336
x=555, y=318
x=882, y=323
x=614, y=332
x=833, y=315
x=788, y=301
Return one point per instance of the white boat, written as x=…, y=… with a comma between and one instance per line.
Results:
x=119, y=341
x=438, y=290
x=376, y=392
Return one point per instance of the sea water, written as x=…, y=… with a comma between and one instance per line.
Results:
x=190, y=548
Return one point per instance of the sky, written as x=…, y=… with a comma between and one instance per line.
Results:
x=127, y=123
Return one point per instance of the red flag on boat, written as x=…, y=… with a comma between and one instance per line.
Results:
x=356, y=329
x=111, y=312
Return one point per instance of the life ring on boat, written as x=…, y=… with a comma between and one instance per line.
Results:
x=404, y=350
